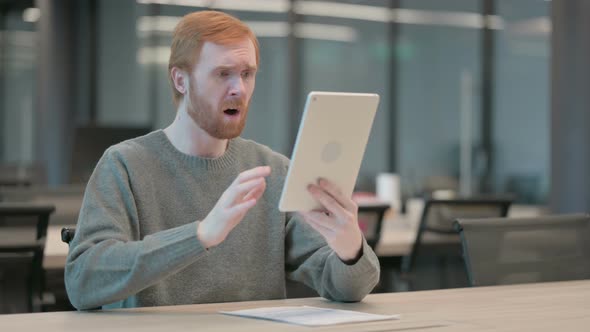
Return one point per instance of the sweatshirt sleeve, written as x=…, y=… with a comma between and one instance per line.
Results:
x=311, y=261
x=107, y=260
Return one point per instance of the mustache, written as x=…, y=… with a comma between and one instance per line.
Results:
x=236, y=103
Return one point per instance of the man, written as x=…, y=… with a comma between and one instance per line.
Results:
x=189, y=214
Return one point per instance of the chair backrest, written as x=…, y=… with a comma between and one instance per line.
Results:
x=436, y=224
x=370, y=219
x=23, y=230
x=520, y=250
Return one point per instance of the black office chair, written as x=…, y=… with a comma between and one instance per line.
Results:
x=67, y=234
x=502, y=251
x=437, y=242
x=23, y=231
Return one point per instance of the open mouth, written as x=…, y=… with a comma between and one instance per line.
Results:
x=231, y=111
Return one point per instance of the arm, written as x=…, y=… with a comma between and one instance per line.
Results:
x=108, y=261
x=310, y=260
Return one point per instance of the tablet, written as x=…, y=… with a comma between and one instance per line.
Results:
x=330, y=144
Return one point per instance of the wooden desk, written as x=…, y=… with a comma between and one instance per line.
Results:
x=56, y=251
x=397, y=237
x=563, y=306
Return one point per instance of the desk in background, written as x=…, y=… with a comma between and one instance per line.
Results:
x=560, y=306
x=398, y=233
x=395, y=241
x=56, y=251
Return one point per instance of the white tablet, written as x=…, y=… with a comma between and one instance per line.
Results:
x=330, y=144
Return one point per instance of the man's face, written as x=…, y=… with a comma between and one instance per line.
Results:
x=221, y=85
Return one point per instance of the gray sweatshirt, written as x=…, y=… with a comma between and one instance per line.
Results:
x=136, y=242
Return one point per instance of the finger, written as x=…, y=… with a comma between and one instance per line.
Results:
x=255, y=193
x=236, y=193
x=256, y=172
x=334, y=191
x=239, y=210
x=326, y=200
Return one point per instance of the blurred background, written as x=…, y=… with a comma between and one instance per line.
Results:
x=478, y=97
x=449, y=73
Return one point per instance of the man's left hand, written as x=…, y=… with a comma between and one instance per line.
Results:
x=338, y=223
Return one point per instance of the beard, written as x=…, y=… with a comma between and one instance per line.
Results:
x=214, y=121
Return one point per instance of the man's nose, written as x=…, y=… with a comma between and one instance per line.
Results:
x=237, y=87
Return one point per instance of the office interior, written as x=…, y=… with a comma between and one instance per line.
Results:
x=479, y=98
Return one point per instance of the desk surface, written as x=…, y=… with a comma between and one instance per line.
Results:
x=55, y=250
x=563, y=306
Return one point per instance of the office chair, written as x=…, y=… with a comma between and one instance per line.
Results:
x=67, y=234
x=23, y=231
x=437, y=239
x=502, y=251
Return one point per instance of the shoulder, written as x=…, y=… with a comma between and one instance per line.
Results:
x=133, y=150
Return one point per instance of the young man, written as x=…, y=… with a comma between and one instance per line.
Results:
x=189, y=214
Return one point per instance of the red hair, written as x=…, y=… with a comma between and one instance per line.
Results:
x=194, y=30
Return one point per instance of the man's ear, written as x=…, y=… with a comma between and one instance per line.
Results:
x=180, y=80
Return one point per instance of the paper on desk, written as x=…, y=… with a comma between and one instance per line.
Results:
x=309, y=316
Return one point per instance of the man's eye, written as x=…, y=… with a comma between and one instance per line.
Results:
x=246, y=74
x=224, y=74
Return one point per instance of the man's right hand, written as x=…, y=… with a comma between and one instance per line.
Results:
x=232, y=206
